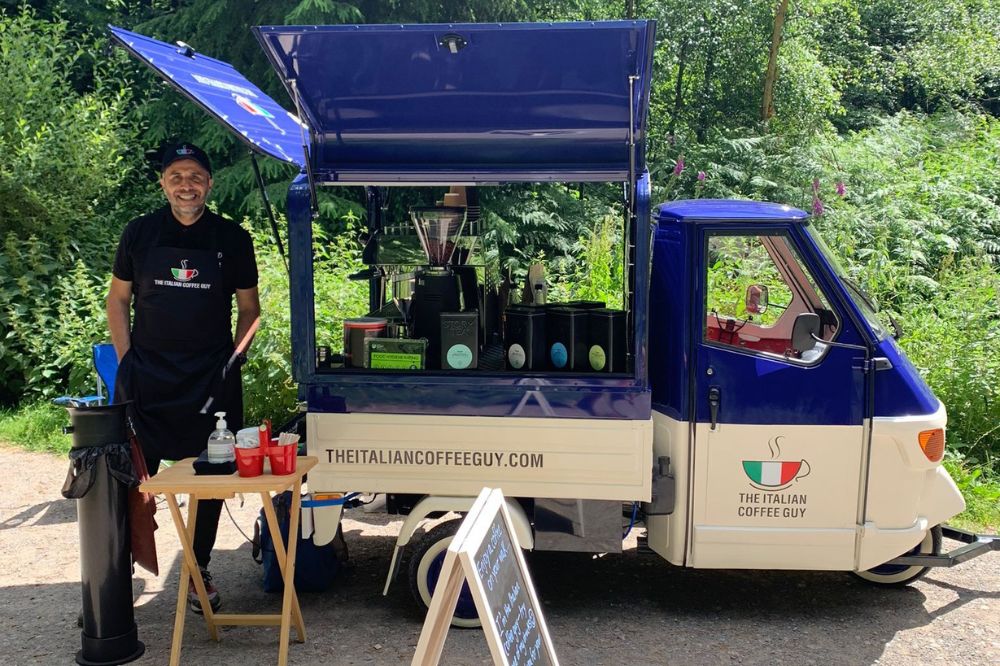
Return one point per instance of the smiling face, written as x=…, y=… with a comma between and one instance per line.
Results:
x=186, y=184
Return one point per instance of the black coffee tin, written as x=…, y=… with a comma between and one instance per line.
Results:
x=524, y=337
x=579, y=305
x=459, y=340
x=566, y=338
x=606, y=340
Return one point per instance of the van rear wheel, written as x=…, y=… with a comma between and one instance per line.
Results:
x=425, y=569
x=898, y=575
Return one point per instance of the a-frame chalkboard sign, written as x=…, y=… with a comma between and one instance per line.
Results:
x=485, y=552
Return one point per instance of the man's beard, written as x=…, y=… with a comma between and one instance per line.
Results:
x=189, y=209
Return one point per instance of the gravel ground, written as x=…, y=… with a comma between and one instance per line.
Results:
x=620, y=609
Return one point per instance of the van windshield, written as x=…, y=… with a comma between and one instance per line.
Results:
x=868, y=308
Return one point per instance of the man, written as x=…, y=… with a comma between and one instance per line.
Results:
x=177, y=270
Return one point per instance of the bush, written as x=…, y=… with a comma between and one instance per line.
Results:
x=51, y=312
x=268, y=388
x=62, y=172
x=61, y=152
x=953, y=339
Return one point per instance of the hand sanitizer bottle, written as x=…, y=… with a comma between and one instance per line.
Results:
x=221, y=443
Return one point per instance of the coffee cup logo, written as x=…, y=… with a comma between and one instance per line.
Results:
x=775, y=474
x=184, y=274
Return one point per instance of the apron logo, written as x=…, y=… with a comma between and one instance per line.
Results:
x=774, y=474
x=184, y=274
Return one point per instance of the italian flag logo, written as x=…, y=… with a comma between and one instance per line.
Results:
x=775, y=474
x=771, y=473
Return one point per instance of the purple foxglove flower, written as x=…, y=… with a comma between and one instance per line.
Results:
x=841, y=190
x=679, y=166
x=817, y=207
x=701, y=176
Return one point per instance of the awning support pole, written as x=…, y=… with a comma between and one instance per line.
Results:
x=314, y=201
x=270, y=211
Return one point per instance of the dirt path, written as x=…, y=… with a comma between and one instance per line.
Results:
x=619, y=609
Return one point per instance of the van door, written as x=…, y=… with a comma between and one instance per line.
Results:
x=778, y=443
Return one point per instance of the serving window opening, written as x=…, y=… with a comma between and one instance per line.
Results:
x=520, y=278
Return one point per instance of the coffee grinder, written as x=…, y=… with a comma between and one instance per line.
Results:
x=437, y=288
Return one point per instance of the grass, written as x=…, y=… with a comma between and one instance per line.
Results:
x=38, y=427
x=982, y=497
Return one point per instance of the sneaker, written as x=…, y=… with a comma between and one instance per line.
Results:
x=214, y=598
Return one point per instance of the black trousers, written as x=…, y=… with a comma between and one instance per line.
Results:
x=206, y=524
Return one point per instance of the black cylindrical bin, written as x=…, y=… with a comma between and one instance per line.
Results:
x=99, y=478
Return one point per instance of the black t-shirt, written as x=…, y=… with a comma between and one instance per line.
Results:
x=211, y=232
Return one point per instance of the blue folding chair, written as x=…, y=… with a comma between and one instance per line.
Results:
x=106, y=366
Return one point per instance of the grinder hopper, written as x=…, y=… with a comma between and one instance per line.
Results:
x=438, y=229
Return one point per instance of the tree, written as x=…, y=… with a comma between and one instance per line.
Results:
x=767, y=109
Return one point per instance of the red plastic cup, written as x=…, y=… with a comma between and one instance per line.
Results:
x=282, y=459
x=249, y=462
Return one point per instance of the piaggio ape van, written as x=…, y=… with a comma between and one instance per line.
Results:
x=743, y=401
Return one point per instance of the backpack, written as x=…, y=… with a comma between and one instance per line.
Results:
x=316, y=567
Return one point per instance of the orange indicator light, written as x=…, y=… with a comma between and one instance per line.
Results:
x=932, y=443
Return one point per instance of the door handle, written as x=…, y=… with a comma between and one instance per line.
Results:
x=714, y=398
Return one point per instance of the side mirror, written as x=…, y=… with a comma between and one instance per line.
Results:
x=756, y=299
x=805, y=327
x=897, y=330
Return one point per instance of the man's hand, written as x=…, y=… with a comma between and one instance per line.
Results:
x=247, y=310
x=119, y=305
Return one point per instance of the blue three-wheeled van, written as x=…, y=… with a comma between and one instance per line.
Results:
x=742, y=403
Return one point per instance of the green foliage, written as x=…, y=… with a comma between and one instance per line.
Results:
x=62, y=169
x=919, y=192
x=36, y=426
x=953, y=339
x=919, y=225
x=61, y=152
x=541, y=223
x=981, y=490
x=599, y=273
x=50, y=314
x=890, y=55
x=597, y=270
x=268, y=388
x=736, y=262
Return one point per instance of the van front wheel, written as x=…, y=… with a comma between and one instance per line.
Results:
x=898, y=575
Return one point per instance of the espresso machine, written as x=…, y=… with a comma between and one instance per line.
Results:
x=439, y=287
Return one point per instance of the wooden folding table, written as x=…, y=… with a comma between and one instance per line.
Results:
x=181, y=479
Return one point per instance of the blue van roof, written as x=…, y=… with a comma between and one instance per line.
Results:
x=727, y=209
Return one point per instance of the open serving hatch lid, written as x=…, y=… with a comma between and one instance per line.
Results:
x=469, y=102
x=223, y=92
x=458, y=103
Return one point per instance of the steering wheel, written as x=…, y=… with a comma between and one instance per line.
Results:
x=730, y=327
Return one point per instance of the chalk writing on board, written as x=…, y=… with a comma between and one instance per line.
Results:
x=508, y=601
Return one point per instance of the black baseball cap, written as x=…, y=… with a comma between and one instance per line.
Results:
x=184, y=151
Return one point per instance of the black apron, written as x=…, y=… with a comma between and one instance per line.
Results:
x=181, y=340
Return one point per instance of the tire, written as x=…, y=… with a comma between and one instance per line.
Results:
x=425, y=568
x=898, y=575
